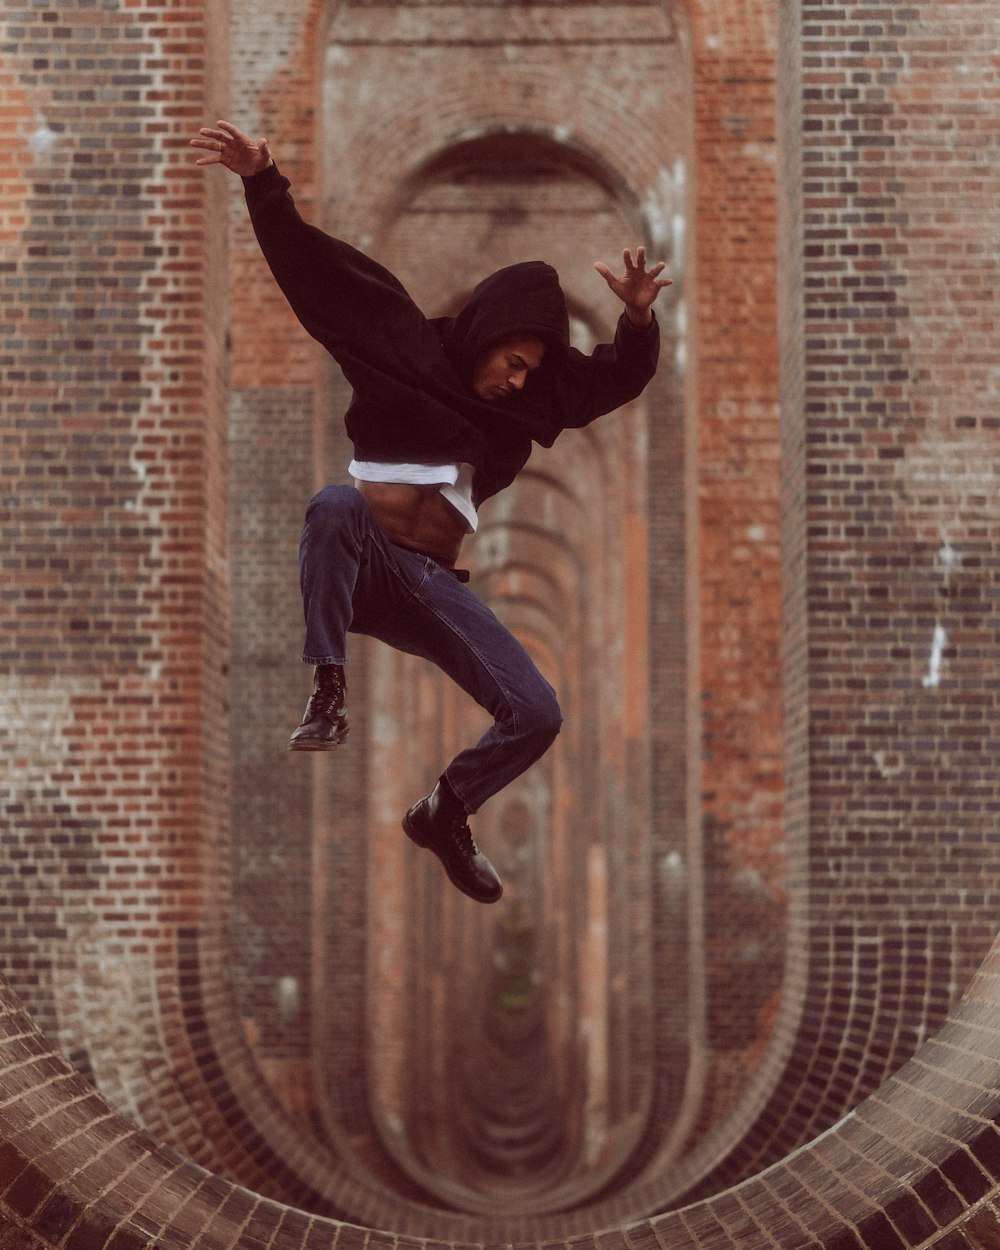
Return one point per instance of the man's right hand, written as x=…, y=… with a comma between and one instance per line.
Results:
x=233, y=149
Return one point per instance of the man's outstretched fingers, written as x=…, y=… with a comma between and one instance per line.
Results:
x=230, y=147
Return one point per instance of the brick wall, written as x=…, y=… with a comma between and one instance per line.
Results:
x=890, y=631
x=755, y=875
x=115, y=616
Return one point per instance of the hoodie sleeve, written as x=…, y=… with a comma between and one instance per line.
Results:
x=357, y=309
x=409, y=403
x=612, y=375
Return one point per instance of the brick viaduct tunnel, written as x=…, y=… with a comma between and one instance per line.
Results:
x=742, y=989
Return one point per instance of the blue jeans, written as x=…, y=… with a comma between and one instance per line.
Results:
x=355, y=580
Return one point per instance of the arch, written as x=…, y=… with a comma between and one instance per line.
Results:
x=559, y=541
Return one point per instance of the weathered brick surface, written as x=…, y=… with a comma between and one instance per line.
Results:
x=918, y=1165
x=756, y=874
x=114, y=616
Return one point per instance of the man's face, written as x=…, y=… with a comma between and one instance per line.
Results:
x=504, y=367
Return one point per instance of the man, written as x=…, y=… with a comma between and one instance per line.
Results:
x=443, y=416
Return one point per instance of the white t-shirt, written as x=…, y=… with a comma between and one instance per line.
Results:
x=455, y=481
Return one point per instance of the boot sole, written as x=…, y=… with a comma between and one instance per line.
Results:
x=311, y=744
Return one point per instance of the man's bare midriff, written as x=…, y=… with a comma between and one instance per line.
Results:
x=418, y=517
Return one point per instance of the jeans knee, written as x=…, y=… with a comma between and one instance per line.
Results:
x=336, y=501
x=545, y=717
x=335, y=508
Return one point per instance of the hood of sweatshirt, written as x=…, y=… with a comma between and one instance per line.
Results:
x=522, y=299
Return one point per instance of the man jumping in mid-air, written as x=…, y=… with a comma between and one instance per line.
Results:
x=443, y=416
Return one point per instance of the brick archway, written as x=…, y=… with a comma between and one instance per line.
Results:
x=120, y=933
x=550, y=558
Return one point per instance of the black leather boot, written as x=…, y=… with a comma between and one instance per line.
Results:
x=324, y=722
x=440, y=823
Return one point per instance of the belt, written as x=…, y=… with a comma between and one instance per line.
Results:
x=461, y=575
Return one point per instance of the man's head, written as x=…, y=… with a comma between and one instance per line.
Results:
x=505, y=366
x=511, y=320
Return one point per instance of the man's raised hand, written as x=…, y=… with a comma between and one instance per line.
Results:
x=231, y=148
x=638, y=286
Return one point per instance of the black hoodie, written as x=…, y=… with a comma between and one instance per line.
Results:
x=412, y=375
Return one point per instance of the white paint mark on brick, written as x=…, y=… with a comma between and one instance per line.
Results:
x=468, y=133
x=680, y=349
x=673, y=865
x=948, y=560
x=679, y=233
x=663, y=207
x=932, y=677
x=138, y=467
x=42, y=139
x=766, y=153
x=288, y=997
x=889, y=764
x=681, y=355
x=750, y=879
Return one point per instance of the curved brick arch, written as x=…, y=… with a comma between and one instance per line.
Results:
x=430, y=298
x=409, y=133
x=414, y=966
x=404, y=136
x=76, y=1175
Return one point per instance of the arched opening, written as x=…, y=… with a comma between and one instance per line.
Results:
x=562, y=557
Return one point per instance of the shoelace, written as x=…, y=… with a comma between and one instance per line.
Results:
x=326, y=702
x=462, y=837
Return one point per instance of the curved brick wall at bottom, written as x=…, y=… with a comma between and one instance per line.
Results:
x=916, y=1165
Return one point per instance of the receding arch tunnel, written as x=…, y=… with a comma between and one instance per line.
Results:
x=743, y=987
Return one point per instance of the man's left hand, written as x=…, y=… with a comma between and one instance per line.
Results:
x=638, y=286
